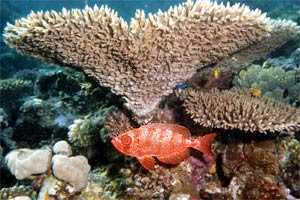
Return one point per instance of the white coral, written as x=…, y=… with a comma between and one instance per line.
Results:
x=26, y=162
x=71, y=169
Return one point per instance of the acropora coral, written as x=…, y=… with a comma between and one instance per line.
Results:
x=238, y=109
x=145, y=60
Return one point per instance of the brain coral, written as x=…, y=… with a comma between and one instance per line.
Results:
x=145, y=60
x=233, y=108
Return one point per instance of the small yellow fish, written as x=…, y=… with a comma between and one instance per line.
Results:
x=46, y=197
x=255, y=92
x=216, y=73
x=265, y=63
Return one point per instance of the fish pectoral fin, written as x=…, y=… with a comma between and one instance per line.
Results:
x=147, y=162
x=174, y=158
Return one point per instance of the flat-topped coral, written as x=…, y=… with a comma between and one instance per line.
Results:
x=230, y=109
x=145, y=60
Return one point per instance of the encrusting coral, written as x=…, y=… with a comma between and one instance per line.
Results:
x=17, y=192
x=145, y=60
x=229, y=109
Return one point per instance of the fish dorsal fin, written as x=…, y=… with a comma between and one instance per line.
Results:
x=176, y=128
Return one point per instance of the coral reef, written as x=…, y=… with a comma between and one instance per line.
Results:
x=282, y=10
x=60, y=97
x=161, y=183
x=13, y=89
x=17, y=192
x=14, y=84
x=103, y=185
x=145, y=60
x=83, y=132
x=289, y=164
x=252, y=169
x=273, y=81
x=237, y=109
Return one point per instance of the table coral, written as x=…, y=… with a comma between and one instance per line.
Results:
x=237, y=109
x=145, y=60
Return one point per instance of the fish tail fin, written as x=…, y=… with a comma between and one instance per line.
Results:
x=203, y=143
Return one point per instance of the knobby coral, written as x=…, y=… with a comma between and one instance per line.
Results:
x=272, y=81
x=145, y=60
x=229, y=109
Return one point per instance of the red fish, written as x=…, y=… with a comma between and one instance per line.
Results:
x=169, y=143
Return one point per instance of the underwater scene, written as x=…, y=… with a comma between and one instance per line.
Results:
x=179, y=100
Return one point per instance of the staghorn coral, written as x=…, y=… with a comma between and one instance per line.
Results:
x=272, y=81
x=145, y=60
x=231, y=109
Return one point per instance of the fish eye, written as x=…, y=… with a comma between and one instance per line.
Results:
x=126, y=140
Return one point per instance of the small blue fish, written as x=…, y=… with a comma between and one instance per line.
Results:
x=182, y=86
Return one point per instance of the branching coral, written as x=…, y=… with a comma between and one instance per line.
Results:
x=83, y=132
x=145, y=60
x=272, y=81
x=231, y=109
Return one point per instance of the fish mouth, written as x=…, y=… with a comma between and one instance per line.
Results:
x=115, y=143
